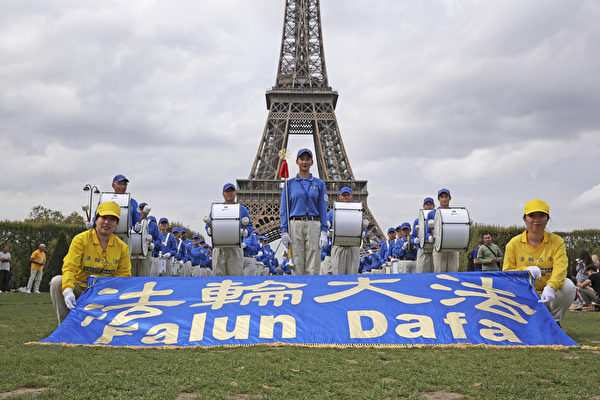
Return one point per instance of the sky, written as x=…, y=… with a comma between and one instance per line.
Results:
x=496, y=100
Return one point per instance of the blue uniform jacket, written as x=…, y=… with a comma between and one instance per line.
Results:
x=198, y=256
x=181, y=251
x=431, y=215
x=252, y=244
x=168, y=244
x=308, y=197
x=284, y=266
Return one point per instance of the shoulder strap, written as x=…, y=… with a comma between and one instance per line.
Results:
x=491, y=250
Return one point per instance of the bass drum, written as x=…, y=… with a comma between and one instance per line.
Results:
x=123, y=200
x=137, y=242
x=347, y=224
x=452, y=229
x=225, y=225
x=422, y=216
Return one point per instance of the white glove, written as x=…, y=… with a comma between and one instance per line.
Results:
x=323, y=239
x=89, y=225
x=285, y=239
x=405, y=246
x=535, y=272
x=69, y=298
x=260, y=254
x=209, y=231
x=363, y=234
x=150, y=246
x=244, y=232
x=430, y=239
x=330, y=233
x=417, y=241
x=138, y=227
x=167, y=255
x=547, y=294
x=244, y=245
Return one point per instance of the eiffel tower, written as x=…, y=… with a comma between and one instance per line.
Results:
x=300, y=103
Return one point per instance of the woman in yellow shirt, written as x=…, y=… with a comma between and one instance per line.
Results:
x=544, y=256
x=97, y=252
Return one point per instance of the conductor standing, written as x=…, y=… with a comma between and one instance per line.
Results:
x=306, y=197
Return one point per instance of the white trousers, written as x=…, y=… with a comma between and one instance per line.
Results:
x=345, y=260
x=228, y=261
x=424, y=262
x=326, y=268
x=445, y=261
x=305, y=247
x=407, y=266
x=58, y=300
x=141, y=266
x=34, y=280
x=563, y=298
x=249, y=266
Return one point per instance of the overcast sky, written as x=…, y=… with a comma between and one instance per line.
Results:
x=497, y=100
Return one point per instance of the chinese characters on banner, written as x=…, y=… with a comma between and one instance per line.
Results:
x=493, y=308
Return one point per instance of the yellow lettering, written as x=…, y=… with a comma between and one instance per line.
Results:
x=380, y=324
x=423, y=326
x=455, y=320
x=162, y=333
x=197, y=328
x=499, y=334
x=267, y=324
x=111, y=331
x=240, y=331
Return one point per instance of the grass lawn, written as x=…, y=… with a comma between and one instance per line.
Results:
x=255, y=372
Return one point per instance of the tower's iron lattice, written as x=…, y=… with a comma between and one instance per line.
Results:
x=301, y=103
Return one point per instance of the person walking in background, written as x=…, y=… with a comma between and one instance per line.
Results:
x=4, y=269
x=38, y=261
x=489, y=255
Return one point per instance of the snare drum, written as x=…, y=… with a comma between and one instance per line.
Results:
x=137, y=242
x=225, y=225
x=423, y=243
x=123, y=200
x=452, y=229
x=347, y=224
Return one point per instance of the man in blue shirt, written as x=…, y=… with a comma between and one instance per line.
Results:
x=408, y=252
x=304, y=201
x=443, y=261
x=168, y=248
x=229, y=261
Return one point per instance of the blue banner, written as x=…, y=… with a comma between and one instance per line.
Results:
x=491, y=308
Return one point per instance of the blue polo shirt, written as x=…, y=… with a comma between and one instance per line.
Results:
x=307, y=197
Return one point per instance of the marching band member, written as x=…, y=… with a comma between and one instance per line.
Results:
x=307, y=230
x=424, y=256
x=97, y=251
x=198, y=257
x=408, y=246
x=181, y=255
x=229, y=261
x=344, y=259
x=168, y=245
x=443, y=261
x=187, y=242
x=387, y=246
x=376, y=261
x=284, y=263
x=396, y=248
x=250, y=245
x=119, y=185
x=543, y=255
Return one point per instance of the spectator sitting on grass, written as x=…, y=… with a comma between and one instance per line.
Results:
x=591, y=297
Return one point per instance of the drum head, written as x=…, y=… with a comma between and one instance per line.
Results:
x=423, y=229
x=123, y=200
x=347, y=224
x=452, y=229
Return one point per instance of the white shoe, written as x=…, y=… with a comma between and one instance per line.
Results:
x=27, y=291
x=36, y=291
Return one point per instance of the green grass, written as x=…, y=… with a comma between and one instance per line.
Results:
x=256, y=372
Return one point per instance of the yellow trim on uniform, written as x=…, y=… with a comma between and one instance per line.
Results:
x=86, y=257
x=550, y=256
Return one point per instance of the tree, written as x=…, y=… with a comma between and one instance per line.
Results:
x=42, y=214
x=54, y=264
x=74, y=219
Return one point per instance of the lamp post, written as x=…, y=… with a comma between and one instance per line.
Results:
x=88, y=207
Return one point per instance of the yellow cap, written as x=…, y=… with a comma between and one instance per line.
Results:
x=109, y=208
x=535, y=206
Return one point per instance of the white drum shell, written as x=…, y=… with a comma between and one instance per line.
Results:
x=123, y=200
x=138, y=245
x=423, y=243
x=452, y=229
x=225, y=225
x=347, y=224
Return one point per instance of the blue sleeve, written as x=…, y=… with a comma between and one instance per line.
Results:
x=413, y=233
x=133, y=212
x=430, y=215
x=330, y=218
x=283, y=207
x=172, y=245
x=244, y=213
x=322, y=206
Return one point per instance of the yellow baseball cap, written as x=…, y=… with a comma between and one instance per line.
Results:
x=535, y=206
x=109, y=208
